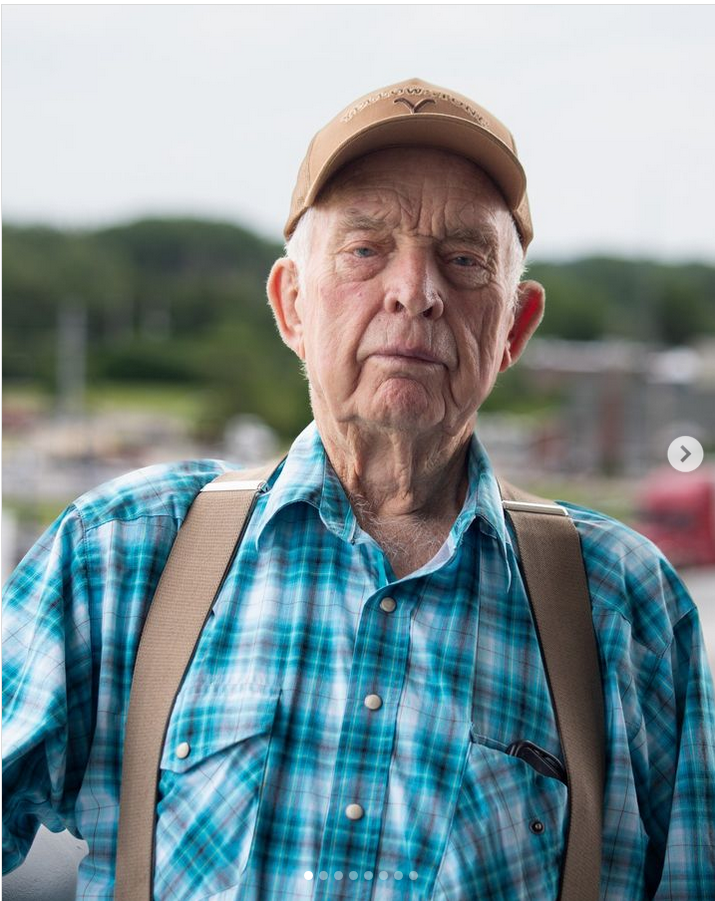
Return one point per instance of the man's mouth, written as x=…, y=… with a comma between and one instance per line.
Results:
x=413, y=354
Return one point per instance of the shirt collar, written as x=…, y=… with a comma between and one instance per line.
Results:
x=483, y=501
x=307, y=476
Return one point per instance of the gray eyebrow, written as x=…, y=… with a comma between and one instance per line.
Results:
x=485, y=236
x=362, y=222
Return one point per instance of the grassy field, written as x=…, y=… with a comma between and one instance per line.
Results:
x=178, y=400
x=612, y=496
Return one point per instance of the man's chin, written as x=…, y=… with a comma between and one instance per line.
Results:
x=407, y=407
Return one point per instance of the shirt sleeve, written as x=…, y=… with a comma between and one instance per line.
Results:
x=682, y=766
x=48, y=687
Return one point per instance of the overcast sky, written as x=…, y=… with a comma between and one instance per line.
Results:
x=114, y=112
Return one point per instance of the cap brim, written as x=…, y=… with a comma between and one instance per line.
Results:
x=431, y=130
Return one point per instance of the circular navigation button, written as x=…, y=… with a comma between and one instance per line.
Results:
x=685, y=453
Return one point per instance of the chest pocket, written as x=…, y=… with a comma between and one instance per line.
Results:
x=508, y=834
x=210, y=785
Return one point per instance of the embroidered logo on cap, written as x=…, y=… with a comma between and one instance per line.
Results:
x=415, y=90
x=414, y=107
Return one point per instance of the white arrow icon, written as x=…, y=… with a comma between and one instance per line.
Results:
x=685, y=453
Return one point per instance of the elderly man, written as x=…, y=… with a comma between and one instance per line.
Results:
x=345, y=726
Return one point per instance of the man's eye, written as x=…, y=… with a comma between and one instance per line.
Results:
x=363, y=252
x=464, y=261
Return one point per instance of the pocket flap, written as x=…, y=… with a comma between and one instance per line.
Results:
x=215, y=717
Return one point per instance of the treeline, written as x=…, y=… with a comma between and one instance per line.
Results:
x=183, y=301
x=175, y=301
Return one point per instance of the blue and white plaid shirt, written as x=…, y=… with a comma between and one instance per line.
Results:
x=342, y=733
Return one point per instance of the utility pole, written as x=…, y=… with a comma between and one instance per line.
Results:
x=71, y=359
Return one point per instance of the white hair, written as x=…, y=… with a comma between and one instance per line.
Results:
x=298, y=246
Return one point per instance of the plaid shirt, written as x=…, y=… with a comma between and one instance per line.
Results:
x=342, y=733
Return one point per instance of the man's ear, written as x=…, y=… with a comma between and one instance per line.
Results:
x=528, y=314
x=284, y=298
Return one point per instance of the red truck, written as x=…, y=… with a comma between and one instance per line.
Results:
x=676, y=510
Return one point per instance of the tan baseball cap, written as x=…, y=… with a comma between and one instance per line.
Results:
x=414, y=112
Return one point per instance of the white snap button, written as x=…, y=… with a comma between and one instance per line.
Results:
x=183, y=750
x=374, y=702
x=388, y=604
x=354, y=811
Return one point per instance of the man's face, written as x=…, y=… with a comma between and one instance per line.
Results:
x=404, y=313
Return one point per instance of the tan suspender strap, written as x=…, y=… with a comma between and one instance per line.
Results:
x=552, y=564
x=199, y=560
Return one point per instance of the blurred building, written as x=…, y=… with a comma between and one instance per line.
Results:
x=623, y=404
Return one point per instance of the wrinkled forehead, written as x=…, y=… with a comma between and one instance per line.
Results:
x=416, y=188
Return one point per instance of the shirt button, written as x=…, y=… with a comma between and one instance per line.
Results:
x=354, y=812
x=388, y=604
x=374, y=702
x=183, y=750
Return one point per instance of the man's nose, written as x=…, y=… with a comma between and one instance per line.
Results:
x=413, y=285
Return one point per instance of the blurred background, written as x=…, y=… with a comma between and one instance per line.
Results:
x=148, y=157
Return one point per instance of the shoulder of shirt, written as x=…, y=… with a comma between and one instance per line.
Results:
x=629, y=575
x=164, y=489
